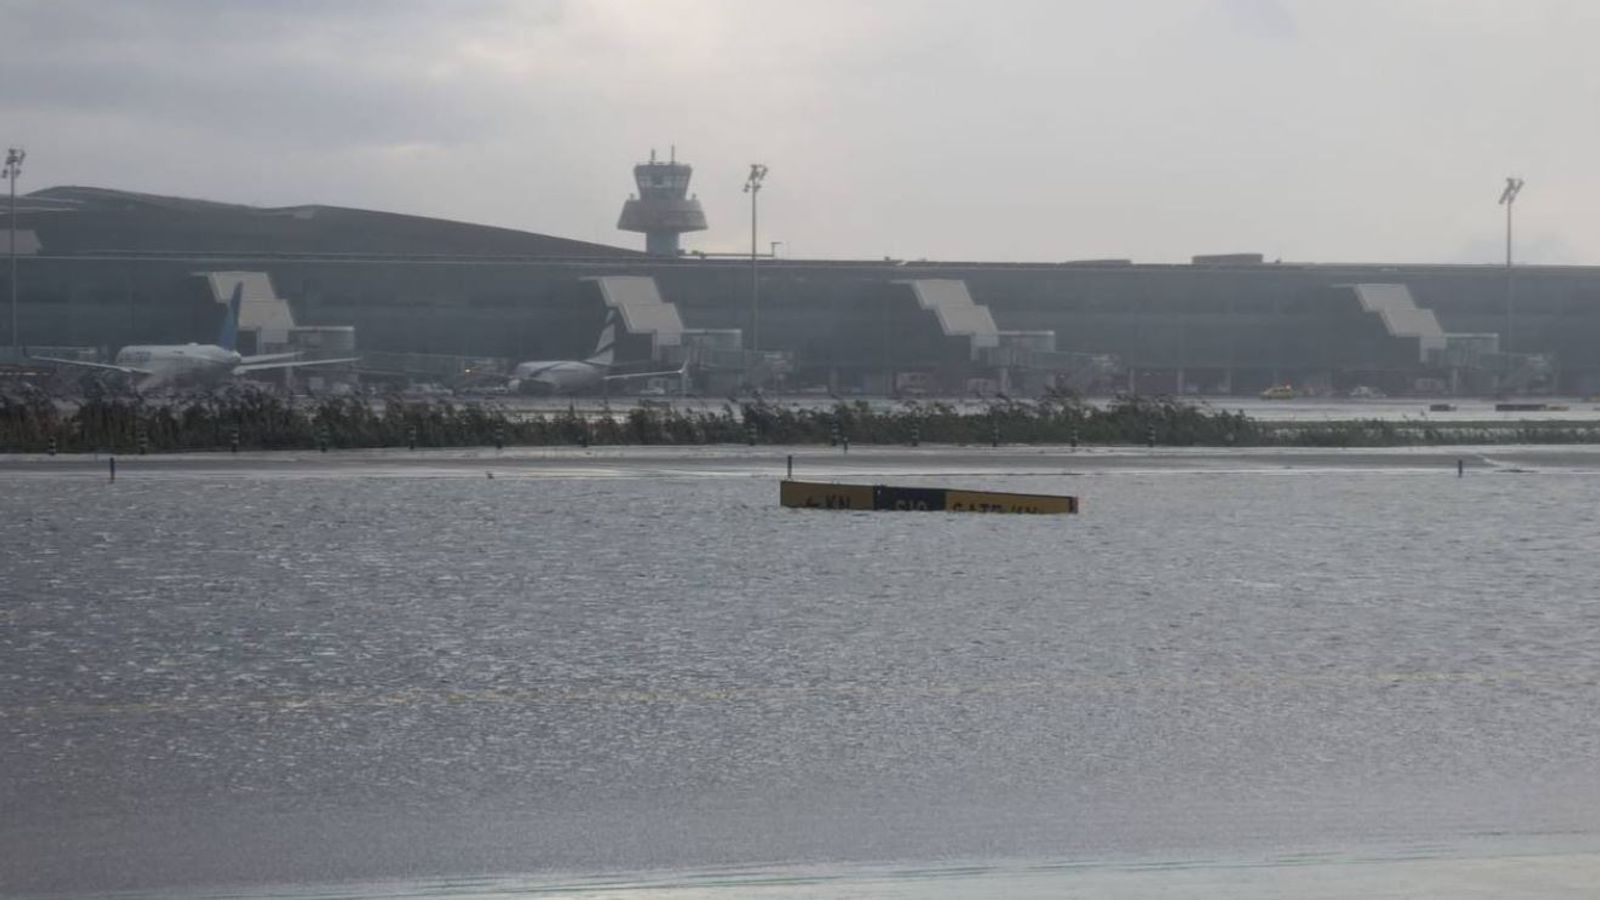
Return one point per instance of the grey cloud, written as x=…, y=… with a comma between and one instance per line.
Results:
x=244, y=71
x=1009, y=130
x=62, y=25
x=258, y=101
x=1263, y=18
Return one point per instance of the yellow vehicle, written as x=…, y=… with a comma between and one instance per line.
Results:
x=1278, y=392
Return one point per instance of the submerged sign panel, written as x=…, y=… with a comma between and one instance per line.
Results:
x=811, y=495
x=820, y=495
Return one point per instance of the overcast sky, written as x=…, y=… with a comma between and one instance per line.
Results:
x=1303, y=129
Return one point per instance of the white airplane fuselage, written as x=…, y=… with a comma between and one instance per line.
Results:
x=564, y=376
x=574, y=376
x=159, y=365
x=168, y=363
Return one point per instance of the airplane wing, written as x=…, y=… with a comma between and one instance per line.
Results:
x=621, y=375
x=291, y=364
x=126, y=370
x=267, y=357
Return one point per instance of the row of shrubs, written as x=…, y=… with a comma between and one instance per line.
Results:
x=251, y=419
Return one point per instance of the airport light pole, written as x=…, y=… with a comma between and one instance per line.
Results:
x=1508, y=199
x=752, y=186
x=14, y=158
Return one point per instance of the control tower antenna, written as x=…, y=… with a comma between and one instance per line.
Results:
x=663, y=208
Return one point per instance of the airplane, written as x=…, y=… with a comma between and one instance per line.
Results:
x=571, y=376
x=156, y=365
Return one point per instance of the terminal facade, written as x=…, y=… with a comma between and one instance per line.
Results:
x=430, y=299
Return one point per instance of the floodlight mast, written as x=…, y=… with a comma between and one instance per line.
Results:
x=13, y=168
x=752, y=186
x=1508, y=199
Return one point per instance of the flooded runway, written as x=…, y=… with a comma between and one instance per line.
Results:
x=630, y=673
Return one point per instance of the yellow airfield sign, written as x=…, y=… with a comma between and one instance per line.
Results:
x=821, y=495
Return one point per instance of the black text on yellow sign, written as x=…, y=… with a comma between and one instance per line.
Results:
x=819, y=495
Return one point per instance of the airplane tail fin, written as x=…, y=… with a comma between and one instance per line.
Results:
x=605, y=351
x=229, y=336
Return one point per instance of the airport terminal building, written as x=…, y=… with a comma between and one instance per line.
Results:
x=427, y=298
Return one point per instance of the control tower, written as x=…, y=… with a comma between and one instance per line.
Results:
x=663, y=208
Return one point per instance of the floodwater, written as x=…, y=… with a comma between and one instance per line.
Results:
x=1394, y=409
x=631, y=674
x=1300, y=409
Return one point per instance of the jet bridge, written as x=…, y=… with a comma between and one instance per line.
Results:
x=1401, y=316
x=1002, y=360
x=644, y=314
x=264, y=317
x=958, y=314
